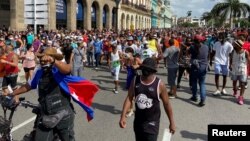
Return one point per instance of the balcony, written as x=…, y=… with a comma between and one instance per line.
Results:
x=136, y=6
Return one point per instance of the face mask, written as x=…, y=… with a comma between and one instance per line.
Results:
x=47, y=68
x=11, y=38
x=146, y=72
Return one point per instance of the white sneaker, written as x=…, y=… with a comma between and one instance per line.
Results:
x=115, y=91
x=224, y=91
x=217, y=92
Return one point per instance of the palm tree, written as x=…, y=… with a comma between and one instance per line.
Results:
x=189, y=13
x=207, y=16
x=231, y=8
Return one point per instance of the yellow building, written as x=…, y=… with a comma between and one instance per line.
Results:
x=134, y=14
x=70, y=14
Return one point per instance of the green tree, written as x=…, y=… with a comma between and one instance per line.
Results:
x=209, y=18
x=187, y=24
x=231, y=9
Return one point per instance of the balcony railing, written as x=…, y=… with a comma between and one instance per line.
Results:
x=140, y=6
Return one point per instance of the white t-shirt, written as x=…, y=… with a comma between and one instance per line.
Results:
x=133, y=46
x=222, y=52
x=146, y=53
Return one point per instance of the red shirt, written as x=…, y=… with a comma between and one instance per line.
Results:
x=85, y=38
x=8, y=68
x=246, y=46
x=2, y=66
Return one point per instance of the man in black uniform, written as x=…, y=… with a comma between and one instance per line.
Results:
x=147, y=90
x=56, y=109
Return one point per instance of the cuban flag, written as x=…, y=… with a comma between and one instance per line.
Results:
x=80, y=89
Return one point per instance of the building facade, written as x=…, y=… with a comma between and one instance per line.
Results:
x=134, y=14
x=88, y=14
x=174, y=21
x=154, y=14
x=161, y=14
x=70, y=14
x=166, y=15
x=198, y=21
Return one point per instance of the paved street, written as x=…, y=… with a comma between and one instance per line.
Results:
x=191, y=120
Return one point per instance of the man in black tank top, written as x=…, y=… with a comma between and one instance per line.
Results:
x=147, y=90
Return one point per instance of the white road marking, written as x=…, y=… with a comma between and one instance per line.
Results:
x=23, y=124
x=166, y=135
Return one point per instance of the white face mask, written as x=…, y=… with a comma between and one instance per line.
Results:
x=46, y=66
x=11, y=38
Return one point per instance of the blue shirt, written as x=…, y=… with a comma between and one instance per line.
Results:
x=97, y=46
x=74, y=45
x=30, y=39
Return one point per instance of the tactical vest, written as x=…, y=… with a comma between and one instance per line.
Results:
x=51, y=97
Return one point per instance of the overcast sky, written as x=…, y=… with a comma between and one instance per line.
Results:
x=180, y=7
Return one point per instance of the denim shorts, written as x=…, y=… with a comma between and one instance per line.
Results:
x=241, y=78
x=218, y=69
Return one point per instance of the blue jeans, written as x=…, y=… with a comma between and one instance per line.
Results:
x=198, y=77
x=97, y=59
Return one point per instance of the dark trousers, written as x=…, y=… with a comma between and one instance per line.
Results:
x=97, y=59
x=64, y=129
x=90, y=58
x=180, y=73
x=142, y=136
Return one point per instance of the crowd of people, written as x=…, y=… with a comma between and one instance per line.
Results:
x=184, y=51
x=125, y=50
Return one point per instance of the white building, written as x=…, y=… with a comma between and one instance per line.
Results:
x=201, y=23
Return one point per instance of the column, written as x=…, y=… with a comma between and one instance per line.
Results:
x=71, y=15
x=17, y=15
x=119, y=19
x=110, y=14
x=52, y=15
x=87, y=16
x=99, y=18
